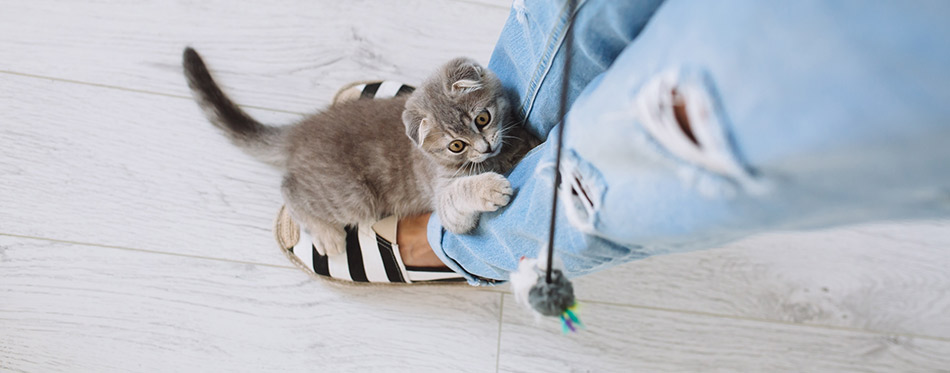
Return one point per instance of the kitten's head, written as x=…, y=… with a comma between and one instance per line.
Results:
x=458, y=115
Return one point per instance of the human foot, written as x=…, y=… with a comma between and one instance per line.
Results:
x=411, y=236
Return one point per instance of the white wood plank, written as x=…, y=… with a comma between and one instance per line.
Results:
x=626, y=339
x=111, y=167
x=886, y=277
x=289, y=55
x=120, y=168
x=73, y=308
x=132, y=170
x=503, y=4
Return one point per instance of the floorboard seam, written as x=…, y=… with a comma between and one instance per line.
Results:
x=745, y=318
x=503, y=293
x=105, y=246
x=133, y=90
x=770, y=321
x=501, y=320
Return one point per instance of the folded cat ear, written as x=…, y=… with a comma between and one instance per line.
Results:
x=466, y=86
x=463, y=76
x=416, y=126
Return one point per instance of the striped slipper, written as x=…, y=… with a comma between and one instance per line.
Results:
x=369, y=90
x=372, y=254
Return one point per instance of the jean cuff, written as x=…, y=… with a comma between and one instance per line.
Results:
x=434, y=232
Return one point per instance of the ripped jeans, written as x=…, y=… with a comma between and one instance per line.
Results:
x=696, y=123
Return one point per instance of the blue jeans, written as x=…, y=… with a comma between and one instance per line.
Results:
x=695, y=123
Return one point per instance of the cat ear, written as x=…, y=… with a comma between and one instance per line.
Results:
x=423, y=131
x=466, y=86
x=464, y=76
x=416, y=126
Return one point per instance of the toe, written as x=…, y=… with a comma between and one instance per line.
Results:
x=320, y=249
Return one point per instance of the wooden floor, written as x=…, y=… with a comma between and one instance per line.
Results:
x=133, y=237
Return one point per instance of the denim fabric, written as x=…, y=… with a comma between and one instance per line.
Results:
x=528, y=56
x=807, y=114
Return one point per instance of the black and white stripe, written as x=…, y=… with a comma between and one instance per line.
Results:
x=385, y=89
x=368, y=258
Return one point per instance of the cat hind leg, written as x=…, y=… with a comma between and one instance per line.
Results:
x=329, y=238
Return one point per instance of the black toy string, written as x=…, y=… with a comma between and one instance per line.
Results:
x=562, y=113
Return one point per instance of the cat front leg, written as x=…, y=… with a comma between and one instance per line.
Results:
x=462, y=200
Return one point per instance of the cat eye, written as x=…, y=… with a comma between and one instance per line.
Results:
x=456, y=146
x=482, y=119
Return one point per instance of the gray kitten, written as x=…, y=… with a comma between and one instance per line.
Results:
x=441, y=149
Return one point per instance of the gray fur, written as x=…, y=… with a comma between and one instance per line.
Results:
x=362, y=160
x=260, y=141
x=554, y=298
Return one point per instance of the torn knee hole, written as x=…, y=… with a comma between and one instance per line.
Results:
x=678, y=111
x=578, y=191
x=583, y=205
x=582, y=190
x=681, y=116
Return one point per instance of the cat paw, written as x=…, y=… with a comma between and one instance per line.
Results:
x=492, y=191
x=329, y=242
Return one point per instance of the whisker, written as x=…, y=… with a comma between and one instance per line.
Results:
x=462, y=167
x=506, y=137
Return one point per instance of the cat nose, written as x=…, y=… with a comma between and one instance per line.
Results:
x=483, y=147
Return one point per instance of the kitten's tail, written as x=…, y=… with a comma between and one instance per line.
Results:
x=266, y=143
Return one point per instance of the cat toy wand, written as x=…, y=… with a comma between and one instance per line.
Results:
x=551, y=294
